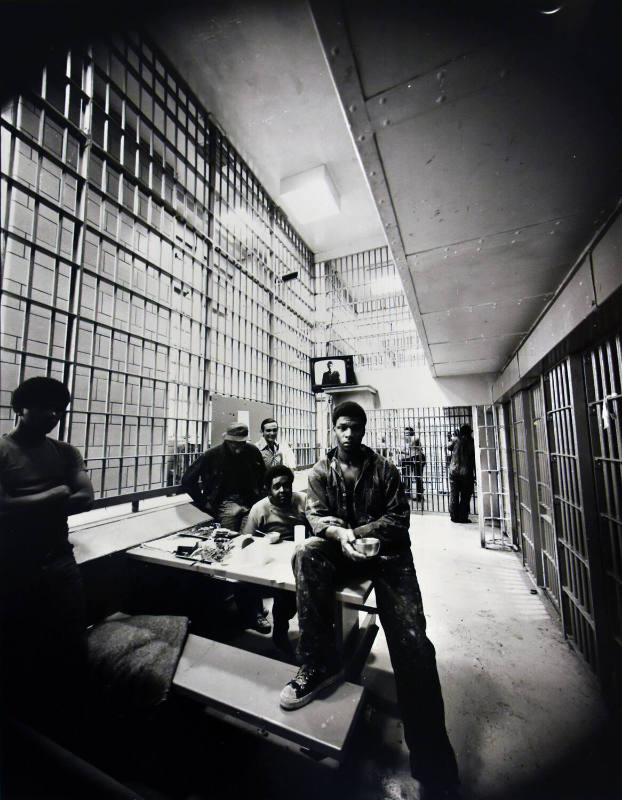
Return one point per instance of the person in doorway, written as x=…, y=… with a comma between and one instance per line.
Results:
x=225, y=482
x=354, y=493
x=413, y=464
x=272, y=451
x=42, y=606
x=330, y=377
x=279, y=512
x=461, y=475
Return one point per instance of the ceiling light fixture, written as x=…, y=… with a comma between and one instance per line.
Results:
x=310, y=196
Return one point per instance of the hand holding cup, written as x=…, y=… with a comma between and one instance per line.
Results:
x=368, y=546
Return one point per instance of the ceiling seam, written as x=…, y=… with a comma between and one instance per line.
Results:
x=336, y=45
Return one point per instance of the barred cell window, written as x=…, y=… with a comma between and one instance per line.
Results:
x=127, y=254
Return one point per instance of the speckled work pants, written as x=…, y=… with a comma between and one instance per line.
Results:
x=320, y=568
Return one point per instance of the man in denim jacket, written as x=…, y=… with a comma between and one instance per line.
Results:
x=355, y=493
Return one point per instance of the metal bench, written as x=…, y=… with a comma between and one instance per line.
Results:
x=246, y=686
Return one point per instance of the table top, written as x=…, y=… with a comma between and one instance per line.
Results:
x=260, y=562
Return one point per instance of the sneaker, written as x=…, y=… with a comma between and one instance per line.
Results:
x=260, y=624
x=307, y=684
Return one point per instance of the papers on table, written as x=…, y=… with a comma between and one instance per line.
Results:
x=170, y=543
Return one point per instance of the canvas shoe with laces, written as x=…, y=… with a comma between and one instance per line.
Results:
x=308, y=683
x=259, y=623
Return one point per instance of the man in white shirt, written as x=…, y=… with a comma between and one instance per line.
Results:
x=274, y=453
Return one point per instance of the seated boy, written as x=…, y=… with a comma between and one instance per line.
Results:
x=279, y=512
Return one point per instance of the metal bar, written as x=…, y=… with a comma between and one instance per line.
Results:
x=163, y=200
x=532, y=488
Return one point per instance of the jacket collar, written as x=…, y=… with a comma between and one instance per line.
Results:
x=369, y=456
x=261, y=444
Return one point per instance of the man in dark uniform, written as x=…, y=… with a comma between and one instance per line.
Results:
x=225, y=482
x=355, y=493
x=461, y=475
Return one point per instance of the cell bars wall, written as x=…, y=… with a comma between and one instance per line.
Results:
x=566, y=469
x=365, y=312
x=423, y=466
x=603, y=380
x=496, y=528
x=141, y=265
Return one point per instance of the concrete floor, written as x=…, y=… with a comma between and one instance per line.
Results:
x=523, y=712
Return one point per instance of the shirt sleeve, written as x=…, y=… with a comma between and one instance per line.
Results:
x=289, y=459
x=396, y=516
x=73, y=457
x=190, y=481
x=254, y=520
x=317, y=500
x=259, y=468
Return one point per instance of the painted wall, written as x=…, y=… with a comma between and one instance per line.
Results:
x=412, y=387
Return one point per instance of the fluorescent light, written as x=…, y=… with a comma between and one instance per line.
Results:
x=310, y=196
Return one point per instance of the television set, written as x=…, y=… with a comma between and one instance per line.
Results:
x=328, y=372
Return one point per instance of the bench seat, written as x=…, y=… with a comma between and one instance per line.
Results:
x=247, y=686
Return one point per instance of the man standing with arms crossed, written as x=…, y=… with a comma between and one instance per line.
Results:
x=355, y=493
x=43, y=660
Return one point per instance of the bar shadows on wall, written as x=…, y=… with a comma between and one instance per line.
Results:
x=139, y=261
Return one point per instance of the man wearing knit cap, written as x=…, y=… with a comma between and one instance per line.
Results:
x=225, y=482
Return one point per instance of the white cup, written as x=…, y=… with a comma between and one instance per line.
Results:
x=299, y=534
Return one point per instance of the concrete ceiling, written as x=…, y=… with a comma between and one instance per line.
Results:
x=258, y=68
x=489, y=144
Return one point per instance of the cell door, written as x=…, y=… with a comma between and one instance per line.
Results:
x=603, y=370
x=562, y=387
x=522, y=468
x=548, y=542
x=495, y=514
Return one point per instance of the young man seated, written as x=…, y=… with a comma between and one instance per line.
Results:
x=354, y=493
x=279, y=512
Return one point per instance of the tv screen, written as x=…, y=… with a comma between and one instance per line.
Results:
x=330, y=371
